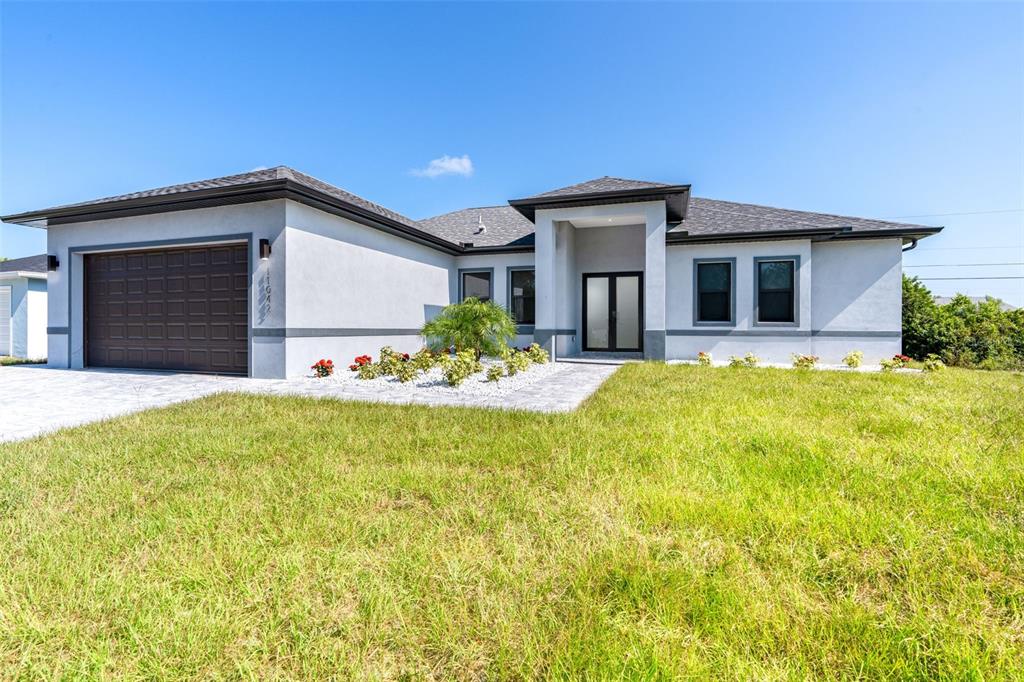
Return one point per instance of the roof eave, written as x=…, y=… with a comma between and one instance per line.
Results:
x=264, y=190
x=827, y=234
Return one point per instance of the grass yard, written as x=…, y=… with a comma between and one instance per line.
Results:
x=684, y=522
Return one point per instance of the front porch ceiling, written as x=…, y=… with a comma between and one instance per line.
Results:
x=608, y=221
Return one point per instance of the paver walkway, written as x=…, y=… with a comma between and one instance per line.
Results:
x=36, y=399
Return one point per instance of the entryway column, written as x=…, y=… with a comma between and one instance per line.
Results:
x=654, y=281
x=546, y=282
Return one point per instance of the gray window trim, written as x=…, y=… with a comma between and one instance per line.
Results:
x=732, y=293
x=796, y=291
x=489, y=271
x=508, y=294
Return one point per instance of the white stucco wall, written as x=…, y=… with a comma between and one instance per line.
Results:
x=263, y=219
x=500, y=263
x=849, y=299
x=35, y=322
x=350, y=289
x=27, y=323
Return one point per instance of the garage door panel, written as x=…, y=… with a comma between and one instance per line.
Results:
x=176, y=309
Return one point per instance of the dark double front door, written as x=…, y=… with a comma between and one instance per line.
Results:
x=613, y=311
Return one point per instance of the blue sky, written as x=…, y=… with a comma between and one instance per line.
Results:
x=877, y=110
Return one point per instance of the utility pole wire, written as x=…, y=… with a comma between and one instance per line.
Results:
x=932, y=279
x=941, y=215
x=959, y=265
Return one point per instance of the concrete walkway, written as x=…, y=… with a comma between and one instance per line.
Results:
x=36, y=399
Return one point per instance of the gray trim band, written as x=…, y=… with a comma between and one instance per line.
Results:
x=524, y=329
x=786, y=332
x=556, y=332
x=313, y=332
x=56, y=330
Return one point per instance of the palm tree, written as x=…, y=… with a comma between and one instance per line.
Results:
x=482, y=326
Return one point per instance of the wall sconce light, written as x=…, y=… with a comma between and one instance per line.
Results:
x=52, y=263
x=264, y=249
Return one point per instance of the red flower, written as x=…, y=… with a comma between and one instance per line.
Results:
x=353, y=367
x=405, y=356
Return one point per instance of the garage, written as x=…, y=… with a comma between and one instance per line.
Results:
x=184, y=309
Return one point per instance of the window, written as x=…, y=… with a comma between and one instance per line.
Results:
x=713, y=301
x=776, y=300
x=476, y=284
x=522, y=296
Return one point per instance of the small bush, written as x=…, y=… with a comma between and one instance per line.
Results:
x=933, y=363
x=370, y=370
x=495, y=372
x=751, y=360
x=424, y=360
x=323, y=368
x=537, y=355
x=359, y=361
x=482, y=326
x=854, y=359
x=405, y=371
x=704, y=359
x=457, y=368
x=896, y=362
x=804, y=361
x=390, y=360
x=516, y=361
x=736, y=362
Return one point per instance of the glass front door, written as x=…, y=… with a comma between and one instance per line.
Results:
x=613, y=311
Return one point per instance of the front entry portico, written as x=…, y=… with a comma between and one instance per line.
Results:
x=600, y=272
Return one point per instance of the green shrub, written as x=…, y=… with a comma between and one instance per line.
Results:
x=736, y=362
x=854, y=359
x=933, y=363
x=704, y=359
x=804, y=361
x=495, y=372
x=370, y=370
x=751, y=360
x=424, y=360
x=537, y=355
x=457, y=368
x=516, y=361
x=483, y=327
x=405, y=371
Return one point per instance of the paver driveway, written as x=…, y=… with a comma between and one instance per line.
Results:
x=37, y=399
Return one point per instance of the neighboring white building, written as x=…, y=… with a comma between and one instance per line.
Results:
x=23, y=307
x=265, y=272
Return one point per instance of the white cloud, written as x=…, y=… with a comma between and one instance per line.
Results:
x=446, y=165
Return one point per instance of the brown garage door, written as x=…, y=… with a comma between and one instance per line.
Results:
x=174, y=309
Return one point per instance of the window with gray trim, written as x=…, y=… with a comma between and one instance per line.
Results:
x=477, y=285
x=776, y=290
x=522, y=296
x=714, y=287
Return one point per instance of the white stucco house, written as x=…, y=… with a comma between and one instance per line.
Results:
x=23, y=307
x=265, y=272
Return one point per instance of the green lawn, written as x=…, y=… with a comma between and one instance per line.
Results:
x=684, y=522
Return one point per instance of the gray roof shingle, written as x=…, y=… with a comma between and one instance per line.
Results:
x=603, y=184
x=263, y=175
x=484, y=226
x=26, y=264
x=716, y=217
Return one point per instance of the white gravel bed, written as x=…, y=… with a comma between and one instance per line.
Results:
x=433, y=383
